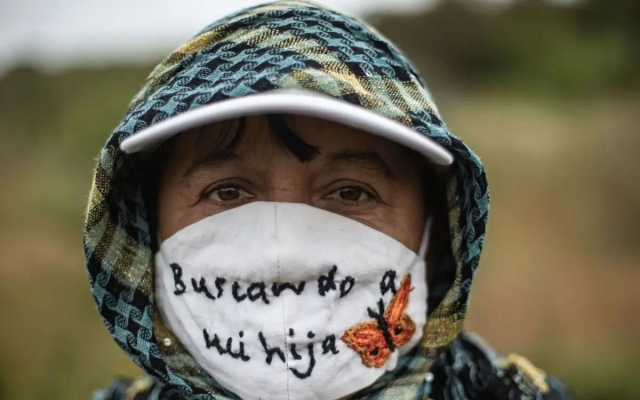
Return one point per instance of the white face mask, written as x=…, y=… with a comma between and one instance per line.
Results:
x=287, y=301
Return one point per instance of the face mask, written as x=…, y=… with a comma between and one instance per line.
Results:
x=287, y=301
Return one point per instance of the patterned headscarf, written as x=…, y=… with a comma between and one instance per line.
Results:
x=287, y=44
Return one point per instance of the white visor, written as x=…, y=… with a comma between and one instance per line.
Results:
x=296, y=102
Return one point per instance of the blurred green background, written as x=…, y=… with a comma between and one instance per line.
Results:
x=549, y=97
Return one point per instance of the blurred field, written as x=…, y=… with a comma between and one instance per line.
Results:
x=558, y=281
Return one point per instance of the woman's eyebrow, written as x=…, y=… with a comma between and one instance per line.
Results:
x=214, y=158
x=363, y=159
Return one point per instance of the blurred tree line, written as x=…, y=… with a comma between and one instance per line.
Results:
x=530, y=46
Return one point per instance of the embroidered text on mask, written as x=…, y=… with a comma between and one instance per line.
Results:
x=268, y=286
x=258, y=291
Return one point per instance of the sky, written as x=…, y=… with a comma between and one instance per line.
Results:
x=56, y=34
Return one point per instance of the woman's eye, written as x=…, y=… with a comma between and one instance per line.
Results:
x=351, y=194
x=228, y=193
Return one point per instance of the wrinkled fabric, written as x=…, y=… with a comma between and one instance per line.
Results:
x=272, y=299
x=287, y=44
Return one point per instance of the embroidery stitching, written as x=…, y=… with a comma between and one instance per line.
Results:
x=177, y=279
x=376, y=340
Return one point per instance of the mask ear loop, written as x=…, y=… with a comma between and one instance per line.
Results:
x=424, y=243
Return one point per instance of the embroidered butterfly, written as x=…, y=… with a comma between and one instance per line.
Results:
x=376, y=340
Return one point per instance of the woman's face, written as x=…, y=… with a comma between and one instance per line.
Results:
x=355, y=174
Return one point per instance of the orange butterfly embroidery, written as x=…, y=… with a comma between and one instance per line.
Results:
x=376, y=340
